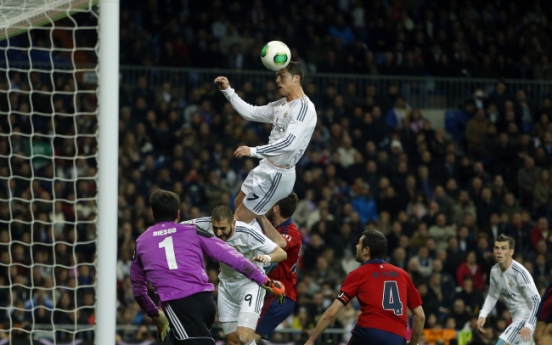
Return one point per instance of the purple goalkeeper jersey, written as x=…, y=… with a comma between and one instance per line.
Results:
x=170, y=256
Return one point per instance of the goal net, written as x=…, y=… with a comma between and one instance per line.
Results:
x=48, y=170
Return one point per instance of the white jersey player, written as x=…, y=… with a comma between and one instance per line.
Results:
x=239, y=299
x=293, y=121
x=512, y=281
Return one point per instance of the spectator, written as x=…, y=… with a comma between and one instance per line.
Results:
x=542, y=193
x=440, y=232
x=527, y=177
x=476, y=129
x=422, y=261
x=472, y=269
x=363, y=203
x=540, y=232
x=446, y=205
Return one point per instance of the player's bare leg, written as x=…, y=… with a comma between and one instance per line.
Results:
x=239, y=200
x=539, y=332
x=546, y=335
x=244, y=214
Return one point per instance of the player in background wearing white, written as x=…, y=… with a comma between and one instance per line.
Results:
x=239, y=302
x=511, y=280
x=293, y=121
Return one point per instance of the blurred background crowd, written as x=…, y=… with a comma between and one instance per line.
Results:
x=373, y=162
x=398, y=37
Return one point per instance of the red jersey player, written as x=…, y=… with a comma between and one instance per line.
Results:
x=384, y=292
x=287, y=237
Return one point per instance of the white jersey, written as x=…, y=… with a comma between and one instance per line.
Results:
x=292, y=126
x=520, y=294
x=248, y=240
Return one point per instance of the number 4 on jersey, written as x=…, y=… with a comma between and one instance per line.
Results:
x=391, y=299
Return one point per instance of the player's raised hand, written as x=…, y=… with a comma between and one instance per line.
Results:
x=480, y=322
x=222, y=82
x=525, y=334
x=275, y=287
x=242, y=151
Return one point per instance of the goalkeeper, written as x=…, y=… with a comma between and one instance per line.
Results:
x=170, y=256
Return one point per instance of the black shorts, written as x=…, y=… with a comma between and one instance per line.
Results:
x=191, y=316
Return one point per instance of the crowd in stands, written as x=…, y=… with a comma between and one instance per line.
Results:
x=484, y=39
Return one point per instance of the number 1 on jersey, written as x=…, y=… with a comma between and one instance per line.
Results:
x=391, y=299
x=167, y=243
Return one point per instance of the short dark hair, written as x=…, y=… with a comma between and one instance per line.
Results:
x=164, y=205
x=504, y=238
x=288, y=205
x=377, y=243
x=294, y=68
x=221, y=213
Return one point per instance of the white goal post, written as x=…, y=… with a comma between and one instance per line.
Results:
x=59, y=132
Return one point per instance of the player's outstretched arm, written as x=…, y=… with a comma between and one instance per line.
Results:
x=271, y=232
x=223, y=252
x=418, y=326
x=249, y=112
x=490, y=301
x=325, y=320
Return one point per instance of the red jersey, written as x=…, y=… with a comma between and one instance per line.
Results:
x=286, y=271
x=384, y=292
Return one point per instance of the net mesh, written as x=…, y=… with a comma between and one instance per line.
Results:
x=48, y=147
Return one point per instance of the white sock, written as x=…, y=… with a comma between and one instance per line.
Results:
x=252, y=342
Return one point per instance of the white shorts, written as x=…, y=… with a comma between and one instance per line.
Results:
x=266, y=185
x=237, y=297
x=511, y=333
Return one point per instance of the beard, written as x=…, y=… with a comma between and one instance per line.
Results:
x=359, y=258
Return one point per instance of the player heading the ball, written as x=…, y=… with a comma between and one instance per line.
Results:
x=293, y=119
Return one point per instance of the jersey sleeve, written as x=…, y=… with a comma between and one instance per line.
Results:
x=257, y=240
x=492, y=297
x=249, y=112
x=295, y=130
x=349, y=288
x=223, y=252
x=140, y=288
x=527, y=288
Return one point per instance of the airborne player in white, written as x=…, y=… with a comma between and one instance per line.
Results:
x=511, y=280
x=293, y=121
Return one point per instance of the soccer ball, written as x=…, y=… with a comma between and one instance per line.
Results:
x=275, y=55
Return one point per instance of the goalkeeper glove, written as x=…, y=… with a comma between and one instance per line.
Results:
x=275, y=287
x=163, y=327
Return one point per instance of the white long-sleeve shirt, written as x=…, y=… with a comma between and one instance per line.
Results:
x=520, y=293
x=292, y=126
